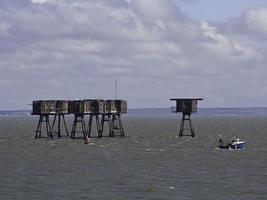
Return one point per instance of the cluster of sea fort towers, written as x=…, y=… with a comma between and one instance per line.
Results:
x=103, y=111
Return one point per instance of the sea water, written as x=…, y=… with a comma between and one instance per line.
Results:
x=151, y=162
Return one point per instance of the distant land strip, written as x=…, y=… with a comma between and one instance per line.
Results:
x=256, y=111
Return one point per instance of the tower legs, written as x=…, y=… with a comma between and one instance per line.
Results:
x=78, y=119
x=58, y=132
x=43, y=119
x=98, y=125
x=115, y=124
x=186, y=117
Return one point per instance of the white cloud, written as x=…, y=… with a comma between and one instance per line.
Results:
x=39, y=1
x=159, y=9
x=77, y=48
x=224, y=46
x=256, y=20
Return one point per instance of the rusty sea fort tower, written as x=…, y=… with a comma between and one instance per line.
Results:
x=102, y=110
x=46, y=108
x=187, y=106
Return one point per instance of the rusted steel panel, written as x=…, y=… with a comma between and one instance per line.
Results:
x=116, y=107
x=94, y=106
x=76, y=107
x=123, y=106
x=186, y=106
x=62, y=107
x=44, y=107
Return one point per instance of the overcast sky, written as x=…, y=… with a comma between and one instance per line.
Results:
x=155, y=49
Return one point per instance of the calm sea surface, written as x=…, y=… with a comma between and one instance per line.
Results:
x=151, y=162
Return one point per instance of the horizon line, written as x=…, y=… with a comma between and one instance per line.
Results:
x=230, y=107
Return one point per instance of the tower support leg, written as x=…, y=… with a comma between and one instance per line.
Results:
x=111, y=126
x=65, y=124
x=39, y=127
x=191, y=127
x=186, y=117
x=89, y=127
x=104, y=118
x=59, y=126
x=116, y=125
x=114, y=122
x=43, y=119
x=98, y=126
x=58, y=118
x=78, y=119
x=120, y=125
x=182, y=127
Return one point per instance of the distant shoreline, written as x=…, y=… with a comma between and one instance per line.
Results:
x=253, y=111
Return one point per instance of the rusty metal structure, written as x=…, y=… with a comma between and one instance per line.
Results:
x=80, y=108
x=46, y=108
x=43, y=108
x=61, y=111
x=94, y=107
x=102, y=110
x=112, y=114
x=187, y=106
x=76, y=107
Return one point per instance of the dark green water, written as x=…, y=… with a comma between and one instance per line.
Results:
x=151, y=162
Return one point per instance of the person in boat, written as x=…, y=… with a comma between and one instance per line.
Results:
x=233, y=139
x=220, y=140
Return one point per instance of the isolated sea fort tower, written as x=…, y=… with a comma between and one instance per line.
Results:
x=91, y=107
x=103, y=111
x=187, y=106
x=114, y=108
x=46, y=108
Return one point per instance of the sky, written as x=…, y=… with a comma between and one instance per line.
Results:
x=218, y=10
x=156, y=50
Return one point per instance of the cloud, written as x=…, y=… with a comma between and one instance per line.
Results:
x=256, y=20
x=38, y=1
x=251, y=24
x=225, y=46
x=76, y=49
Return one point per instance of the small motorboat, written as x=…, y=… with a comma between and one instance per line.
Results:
x=234, y=144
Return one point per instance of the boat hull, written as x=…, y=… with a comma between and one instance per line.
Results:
x=234, y=145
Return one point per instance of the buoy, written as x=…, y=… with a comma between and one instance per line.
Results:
x=87, y=141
